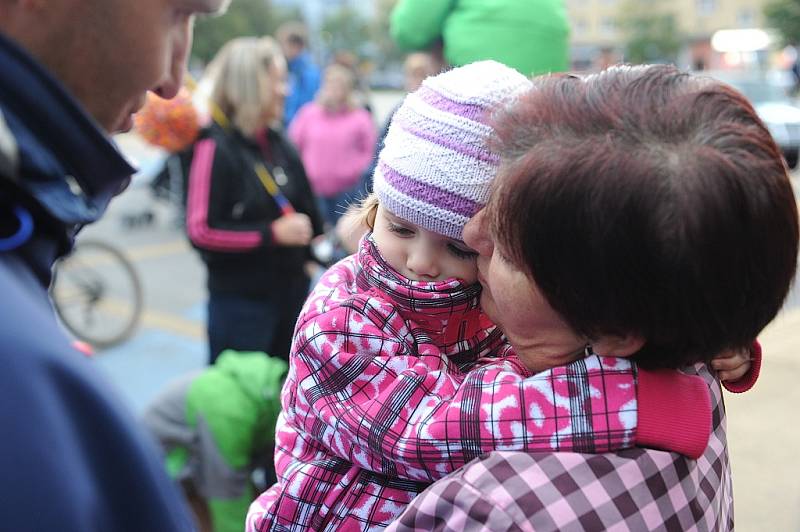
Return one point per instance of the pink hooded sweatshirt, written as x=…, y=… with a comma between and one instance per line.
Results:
x=336, y=147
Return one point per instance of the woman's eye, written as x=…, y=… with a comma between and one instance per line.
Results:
x=400, y=230
x=461, y=253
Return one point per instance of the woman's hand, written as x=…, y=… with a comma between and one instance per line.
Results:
x=292, y=230
x=733, y=364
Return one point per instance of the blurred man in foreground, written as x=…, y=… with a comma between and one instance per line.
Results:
x=71, y=73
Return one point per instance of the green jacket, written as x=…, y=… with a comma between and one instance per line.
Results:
x=239, y=399
x=213, y=423
x=528, y=35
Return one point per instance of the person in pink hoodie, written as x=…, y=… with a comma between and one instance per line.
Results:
x=335, y=139
x=397, y=377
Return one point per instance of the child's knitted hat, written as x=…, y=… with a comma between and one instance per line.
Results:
x=435, y=168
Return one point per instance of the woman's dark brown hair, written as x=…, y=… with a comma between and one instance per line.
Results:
x=647, y=201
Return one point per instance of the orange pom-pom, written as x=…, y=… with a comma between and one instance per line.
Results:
x=170, y=124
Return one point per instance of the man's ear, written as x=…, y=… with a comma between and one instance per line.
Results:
x=618, y=346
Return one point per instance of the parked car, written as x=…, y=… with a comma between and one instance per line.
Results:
x=774, y=106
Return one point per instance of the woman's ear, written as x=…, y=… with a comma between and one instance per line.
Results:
x=618, y=346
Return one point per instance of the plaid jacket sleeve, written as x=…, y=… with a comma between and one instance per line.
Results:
x=373, y=394
x=636, y=489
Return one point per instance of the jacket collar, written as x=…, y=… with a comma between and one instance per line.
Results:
x=65, y=161
x=448, y=311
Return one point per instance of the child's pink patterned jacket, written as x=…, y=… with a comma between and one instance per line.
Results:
x=393, y=384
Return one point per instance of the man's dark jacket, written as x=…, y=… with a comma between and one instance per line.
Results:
x=71, y=457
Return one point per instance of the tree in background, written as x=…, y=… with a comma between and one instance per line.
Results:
x=243, y=18
x=345, y=28
x=386, y=50
x=784, y=16
x=650, y=31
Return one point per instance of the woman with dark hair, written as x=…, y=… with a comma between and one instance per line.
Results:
x=635, y=205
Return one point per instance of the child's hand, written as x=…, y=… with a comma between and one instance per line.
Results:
x=732, y=365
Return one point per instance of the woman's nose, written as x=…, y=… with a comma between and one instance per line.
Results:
x=476, y=234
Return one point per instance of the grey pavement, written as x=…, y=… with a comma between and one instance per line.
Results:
x=170, y=340
x=764, y=427
x=764, y=435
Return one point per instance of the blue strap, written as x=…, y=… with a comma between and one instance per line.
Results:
x=23, y=233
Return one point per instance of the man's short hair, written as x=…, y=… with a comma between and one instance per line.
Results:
x=293, y=32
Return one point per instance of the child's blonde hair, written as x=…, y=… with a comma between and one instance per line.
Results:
x=367, y=209
x=343, y=75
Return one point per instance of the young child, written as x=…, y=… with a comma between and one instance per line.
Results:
x=396, y=376
x=215, y=427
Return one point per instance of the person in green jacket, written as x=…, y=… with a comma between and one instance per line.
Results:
x=216, y=426
x=531, y=36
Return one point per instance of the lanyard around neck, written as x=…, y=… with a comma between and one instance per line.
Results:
x=266, y=178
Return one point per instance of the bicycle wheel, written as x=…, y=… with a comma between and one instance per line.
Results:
x=97, y=294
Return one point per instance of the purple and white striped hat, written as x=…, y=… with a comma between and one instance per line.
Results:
x=435, y=169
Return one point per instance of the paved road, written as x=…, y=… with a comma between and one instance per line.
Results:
x=764, y=425
x=170, y=340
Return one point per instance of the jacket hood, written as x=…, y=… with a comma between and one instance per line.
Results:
x=61, y=157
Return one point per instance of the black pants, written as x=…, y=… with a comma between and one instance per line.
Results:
x=250, y=324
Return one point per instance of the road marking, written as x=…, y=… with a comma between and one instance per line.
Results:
x=154, y=319
x=92, y=257
x=167, y=321
x=173, y=247
x=173, y=323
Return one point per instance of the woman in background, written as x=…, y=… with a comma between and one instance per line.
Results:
x=250, y=209
x=335, y=138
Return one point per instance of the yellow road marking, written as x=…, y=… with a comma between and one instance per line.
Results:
x=92, y=257
x=168, y=322
x=155, y=319
x=164, y=321
x=173, y=247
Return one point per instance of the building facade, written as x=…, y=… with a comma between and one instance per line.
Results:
x=597, y=39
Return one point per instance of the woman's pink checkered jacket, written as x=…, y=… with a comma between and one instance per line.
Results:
x=394, y=384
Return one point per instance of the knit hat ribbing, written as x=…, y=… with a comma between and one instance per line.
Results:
x=435, y=168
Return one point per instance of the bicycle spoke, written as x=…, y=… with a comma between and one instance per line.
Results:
x=97, y=294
